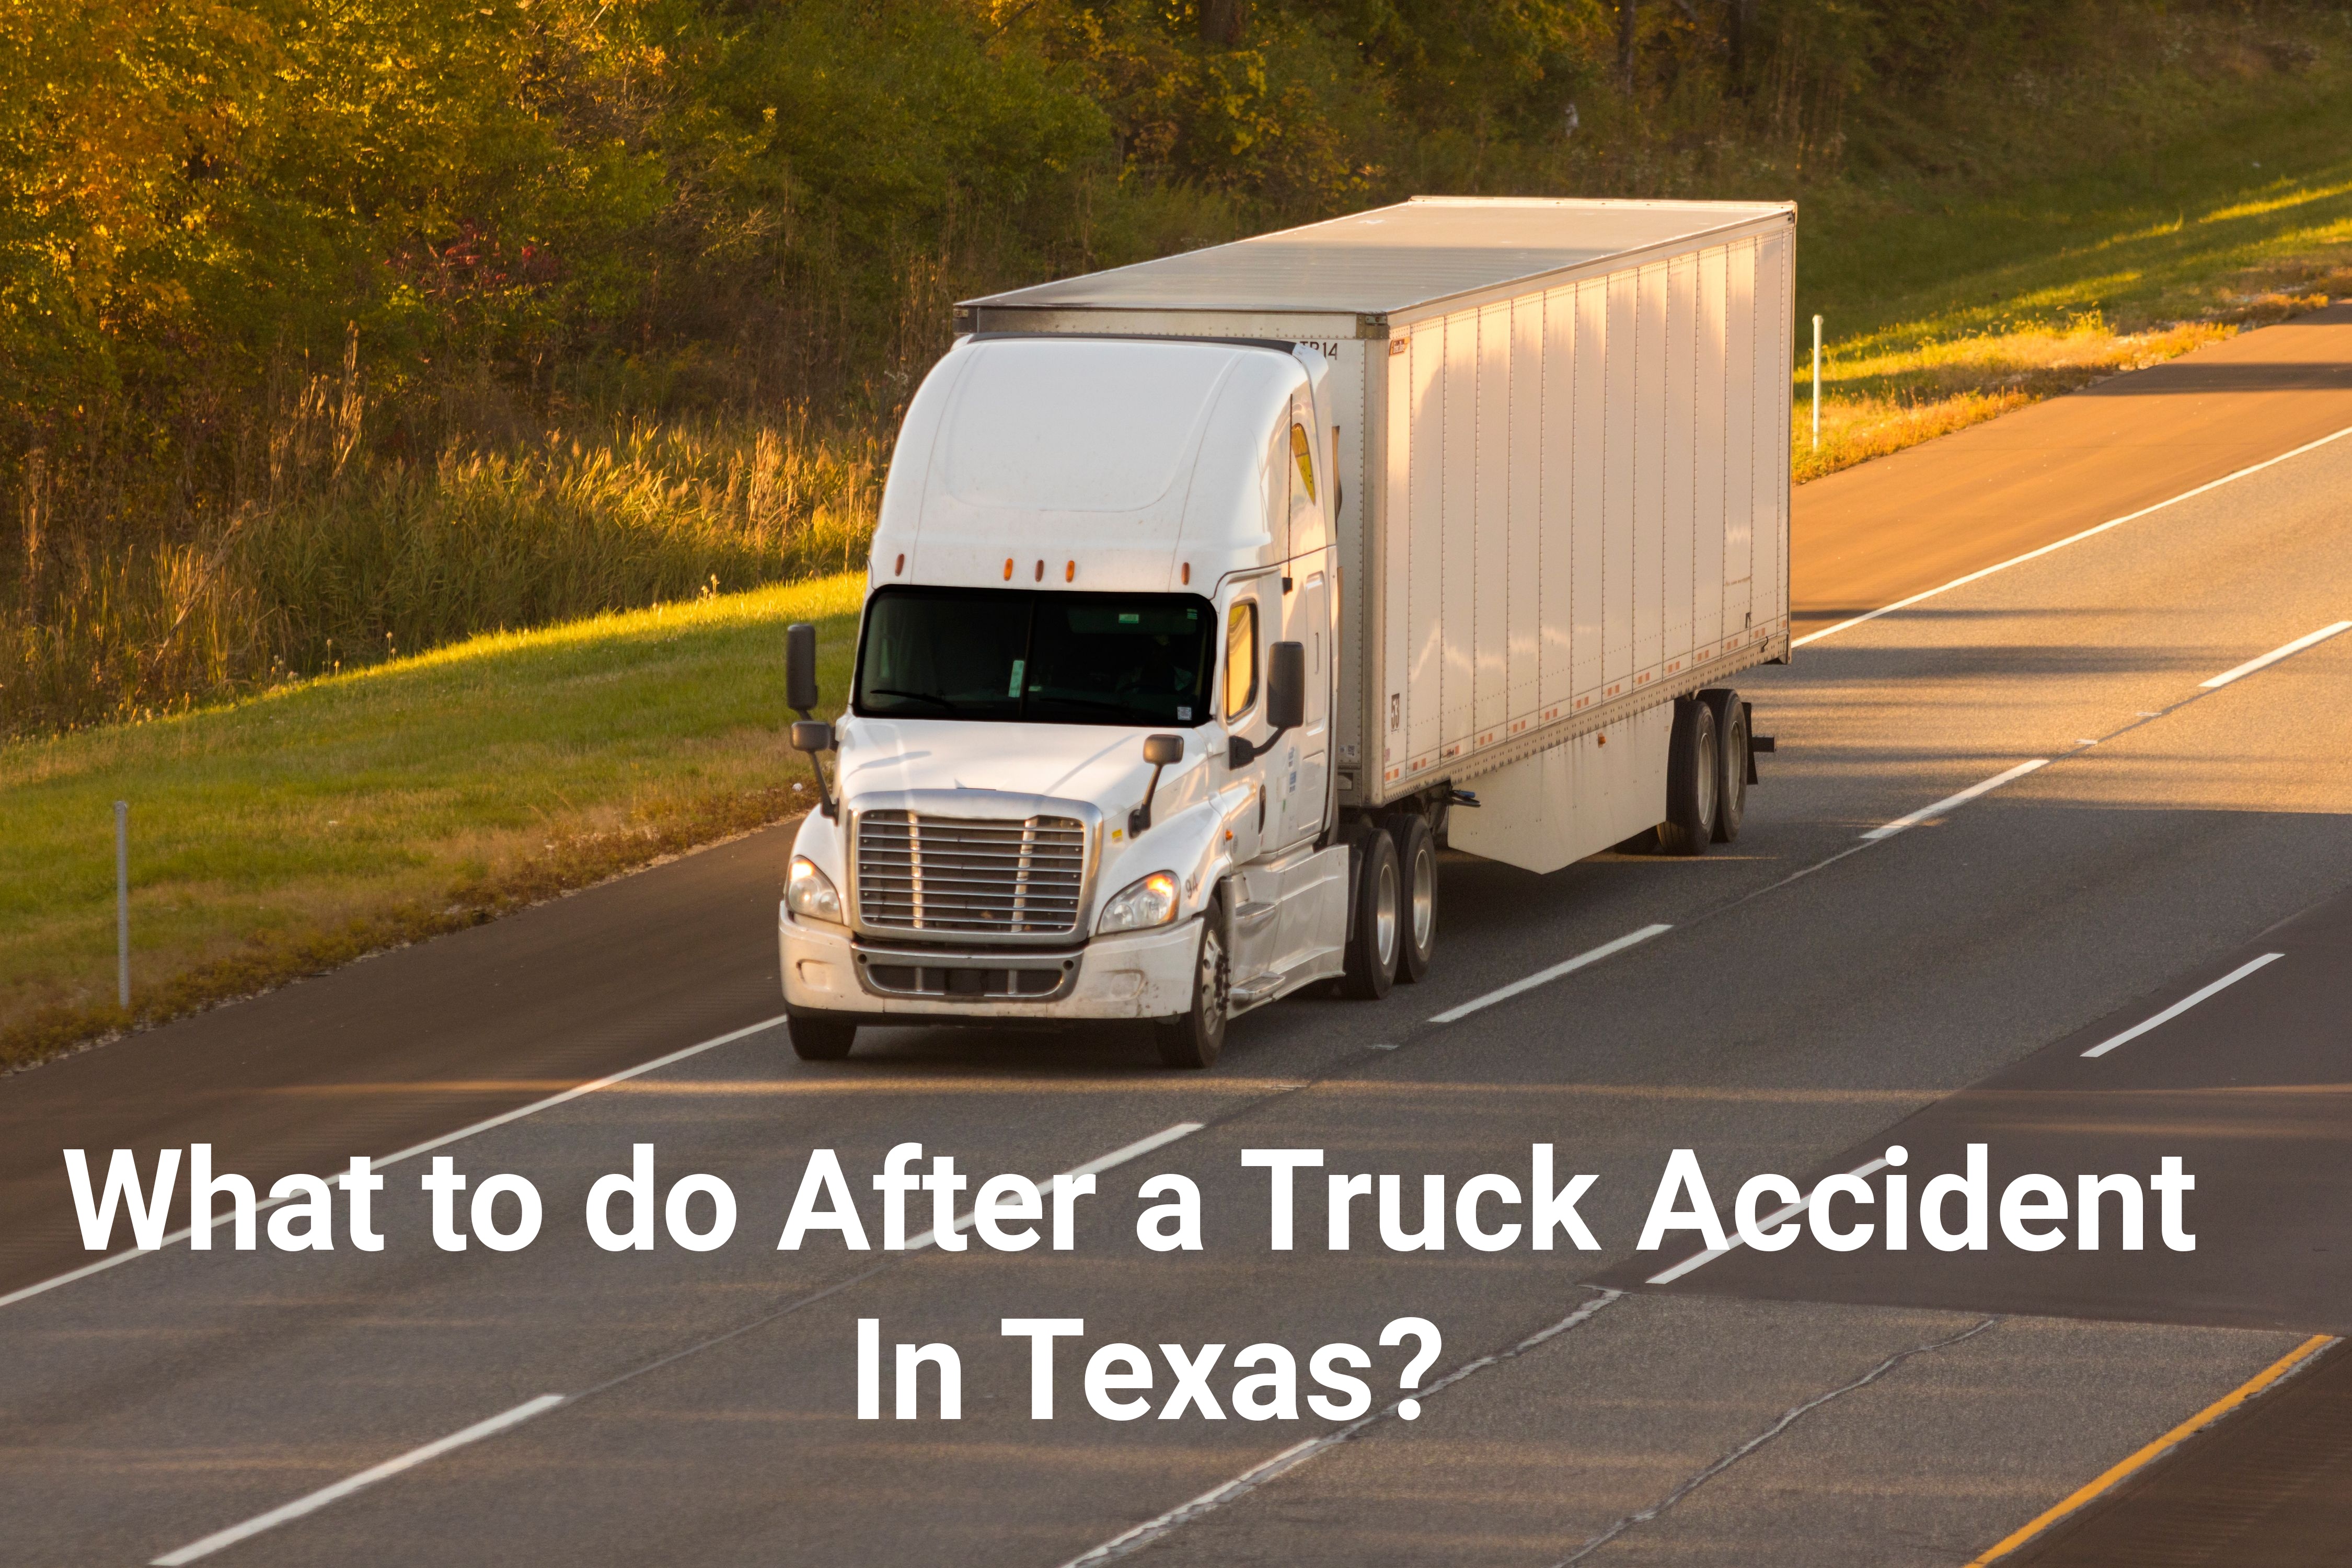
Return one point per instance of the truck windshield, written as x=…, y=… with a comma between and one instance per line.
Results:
x=1017, y=656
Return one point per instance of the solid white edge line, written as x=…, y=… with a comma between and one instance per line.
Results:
x=2073, y=537
x=2186, y=1003
x=1096, y=1166
x=1778, y=1216
x=413, y=1150
x=1297, y=1454
x=1545, y=976
x=1954, y=802
x=350, y=1484
x=2271, y=657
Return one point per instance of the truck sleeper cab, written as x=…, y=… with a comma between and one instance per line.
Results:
x=1112, y=544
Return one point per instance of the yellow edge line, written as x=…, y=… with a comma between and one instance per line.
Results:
x=2205, y=1418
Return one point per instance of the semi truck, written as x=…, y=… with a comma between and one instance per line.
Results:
x=1211, y=596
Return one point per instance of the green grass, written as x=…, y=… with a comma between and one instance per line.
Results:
x=298, y=830
x=1944, y=311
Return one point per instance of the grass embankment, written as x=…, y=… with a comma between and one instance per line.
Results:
x=298, y=830
x=1940, y=314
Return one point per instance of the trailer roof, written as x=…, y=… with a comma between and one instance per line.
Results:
x=1395, y=257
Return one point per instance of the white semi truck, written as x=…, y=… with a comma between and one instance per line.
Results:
x=1210, y=597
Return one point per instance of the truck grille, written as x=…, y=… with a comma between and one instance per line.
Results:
x=969, y=877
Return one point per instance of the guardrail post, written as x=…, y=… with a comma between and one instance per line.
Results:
x=122, y=904
x=1817, y=384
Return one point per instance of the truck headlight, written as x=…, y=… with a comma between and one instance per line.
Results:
x=1138, y=906
x=810, y=892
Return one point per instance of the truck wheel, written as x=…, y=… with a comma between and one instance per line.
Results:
x=1731, y=760
x=1691, y=767
x=1416, y=848
x=1376, y=924
x=818, y=1038
x=1193, y=1039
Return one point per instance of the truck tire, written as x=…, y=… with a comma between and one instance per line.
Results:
x=1375, y=922
x=1194, y=1037
x=1731, y=760
x=818, y=1038
x=1692, y=769
x=1416, y=848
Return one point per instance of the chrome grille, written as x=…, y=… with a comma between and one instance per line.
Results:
x=970, y=876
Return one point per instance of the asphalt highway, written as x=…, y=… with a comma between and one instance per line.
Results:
x=1822, y=989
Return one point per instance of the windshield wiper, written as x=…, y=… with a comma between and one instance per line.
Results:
x=919, y=696
x=1096, y=703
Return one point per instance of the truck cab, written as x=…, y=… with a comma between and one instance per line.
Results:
x=1085, y=770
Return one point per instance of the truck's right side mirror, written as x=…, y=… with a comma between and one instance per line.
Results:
x=1285, y=685
x=799, y=668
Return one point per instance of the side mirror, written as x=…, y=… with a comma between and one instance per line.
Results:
x=810, y=735
x=1285, y=702
x=1285, y=685
x=1159, y=750
x=800, y=671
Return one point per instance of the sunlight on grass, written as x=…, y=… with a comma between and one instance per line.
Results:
x=301, y=827
x=1942, y=319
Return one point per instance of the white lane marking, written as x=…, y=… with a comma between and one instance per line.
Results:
x=410, y=1153
x=1546, y=976
x=1776, y=1216
x=1954, y=802
x=2071, y=539
x=1096, y=1166
x=1297, y=1454
x=2186, y=1003
x=350, y=1484
x=1136, y=1149
x=2276, y=654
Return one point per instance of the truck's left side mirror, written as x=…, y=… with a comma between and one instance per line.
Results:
x=1285, y=685
x=800, y=669
x=1285, y=702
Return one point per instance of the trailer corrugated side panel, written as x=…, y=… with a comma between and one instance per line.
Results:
x=1581, y=507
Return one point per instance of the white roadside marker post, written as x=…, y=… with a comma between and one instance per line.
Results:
x=1817, y=384
x=122, y=904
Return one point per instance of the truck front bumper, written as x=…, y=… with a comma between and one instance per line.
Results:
x=1145, y=974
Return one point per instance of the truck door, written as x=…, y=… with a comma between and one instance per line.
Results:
x=1305, y=751
x=1295, y=773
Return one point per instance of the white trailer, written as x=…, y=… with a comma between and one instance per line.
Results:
x=1520, y=467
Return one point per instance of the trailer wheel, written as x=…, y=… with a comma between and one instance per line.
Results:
x=1731, y=760
x=1692, y=770
x=1375, y=922
x=818, y=1038
x=1194, y=1038
x=1416, y=848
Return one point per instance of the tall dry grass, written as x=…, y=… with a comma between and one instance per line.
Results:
x=335, y=559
